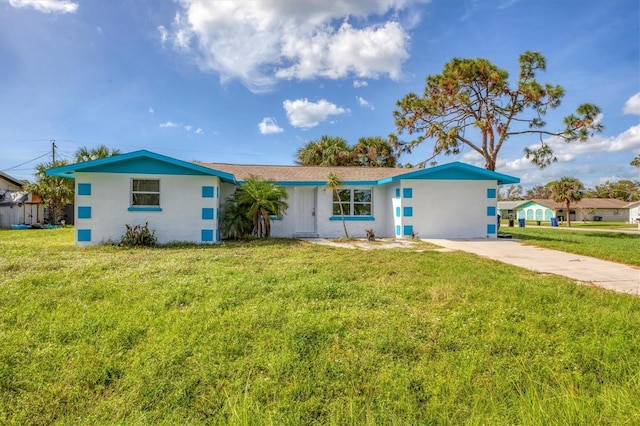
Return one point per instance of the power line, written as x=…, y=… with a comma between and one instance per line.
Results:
x=27, y=162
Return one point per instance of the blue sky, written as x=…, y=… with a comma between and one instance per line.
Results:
x=252, y=81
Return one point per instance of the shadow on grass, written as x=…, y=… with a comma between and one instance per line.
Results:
x=253, y=242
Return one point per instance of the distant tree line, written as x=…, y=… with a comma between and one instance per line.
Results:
x=623, y=189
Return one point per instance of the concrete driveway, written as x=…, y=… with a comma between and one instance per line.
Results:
x=587, y=270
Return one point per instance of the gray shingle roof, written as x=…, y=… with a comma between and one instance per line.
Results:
x=291, y=174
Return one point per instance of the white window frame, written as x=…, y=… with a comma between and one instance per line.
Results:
x=351, y=203
x=134, y=192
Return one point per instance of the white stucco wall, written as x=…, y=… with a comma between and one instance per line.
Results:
x=449, y=208
x=288, y=227
x=382, y=224
x=440, y=209
x=634, y=213
x=607, y=215
x=180, y=199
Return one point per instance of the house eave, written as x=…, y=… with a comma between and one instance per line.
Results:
x=103, y=164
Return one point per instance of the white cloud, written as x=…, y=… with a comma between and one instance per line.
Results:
x=305, y=114
x=364, y=103
x=588, y=161
x=632, y=106
x=627, y=140
x=360, y=83
x=151, y=110
x=269, y=125
x=258, y=42
x=189, y=127
x=46, y=6
x=199, y=131
x=369, y=52
x=164, y=34
x=168, y=124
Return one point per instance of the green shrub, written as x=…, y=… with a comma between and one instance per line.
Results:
x=139, y=236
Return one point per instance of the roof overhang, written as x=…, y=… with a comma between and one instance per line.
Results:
x=140, y=162
x=11, y=180
x=454, y=171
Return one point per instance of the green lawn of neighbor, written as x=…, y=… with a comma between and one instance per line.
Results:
x=285, y=332
x=576, y=224
x=613, y=246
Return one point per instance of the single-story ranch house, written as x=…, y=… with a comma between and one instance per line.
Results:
x=587, y=209
x=181, y=201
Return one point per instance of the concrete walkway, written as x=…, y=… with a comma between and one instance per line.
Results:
x=587, y=270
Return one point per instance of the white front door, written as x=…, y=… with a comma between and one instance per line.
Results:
x=305, y=210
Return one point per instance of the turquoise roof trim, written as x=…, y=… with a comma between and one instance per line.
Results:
x=141, y=162
x=530, y=203
x=454, y=171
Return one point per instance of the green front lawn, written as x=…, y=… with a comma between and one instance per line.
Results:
x=504, y=223
x=614, y=246
x=284, y=332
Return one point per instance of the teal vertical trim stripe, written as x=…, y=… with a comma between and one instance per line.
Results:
x=491, y=228
x=407, y=192
x=84, y=189
x=217, y=235
x=408, y=211
x=408, y=229
x=207, y=213
x=397, y=211
x=84, y=235
x=398, y=230
x=84, y=212
x=206, y=235
x=207, y=191
x=397, y=192
x=491, y=193
x=491, y=211
x=217, y=192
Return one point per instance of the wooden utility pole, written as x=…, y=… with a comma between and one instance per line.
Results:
x=53, y=150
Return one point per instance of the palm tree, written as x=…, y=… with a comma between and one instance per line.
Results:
x=334, y=181
x=263, y=198
x=54, y=191
x=374, y=152
x=86, y=154
x=567, y=190
x=326, y=151
x=636, y=161
x=234, y=222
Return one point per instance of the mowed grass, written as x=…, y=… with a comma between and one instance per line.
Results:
x=285, y=332
x=614, y=246
x=577, y=224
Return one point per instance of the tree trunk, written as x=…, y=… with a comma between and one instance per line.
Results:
x=490, y=162
x=568, y=214
x=267, y=226
x=344, y=223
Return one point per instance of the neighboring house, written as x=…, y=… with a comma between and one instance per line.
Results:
x=587, y=209
x=181, y=201
x=634, y=211
x=16, y=205
x=507, y=209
